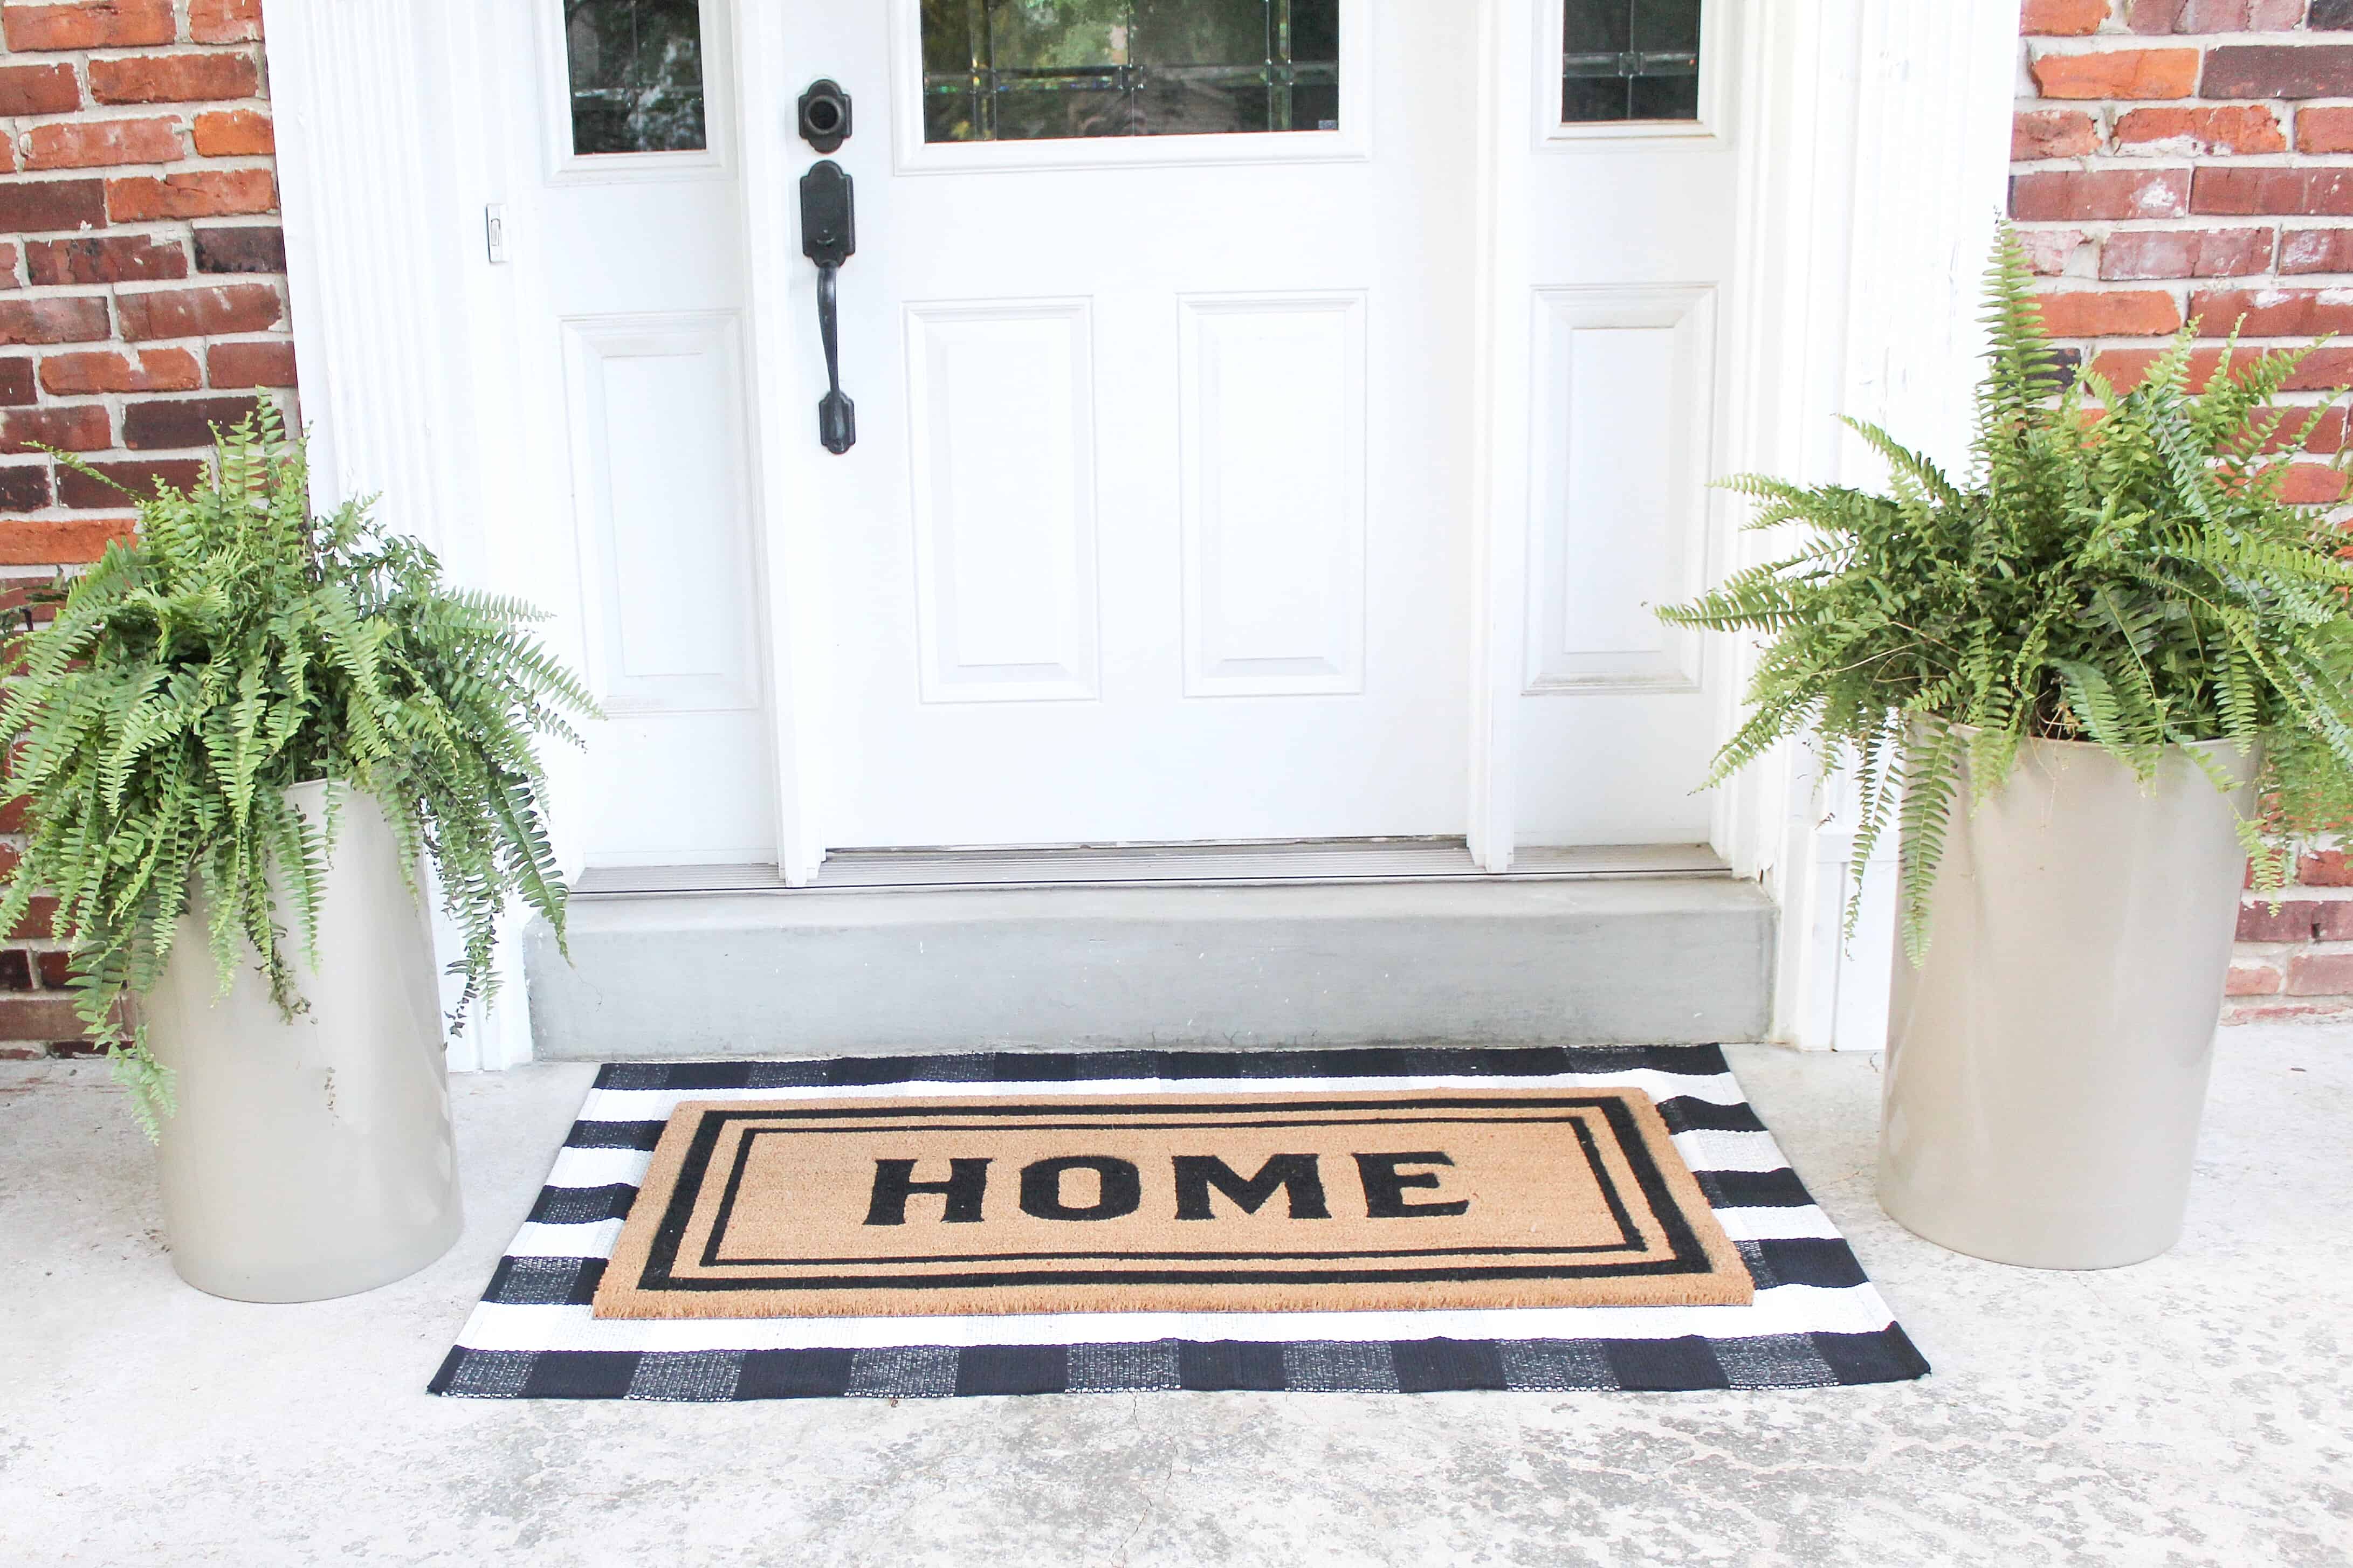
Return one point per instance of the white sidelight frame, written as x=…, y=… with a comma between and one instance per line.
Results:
x=716, y=160
x=1716, y=67
x=1873, y=137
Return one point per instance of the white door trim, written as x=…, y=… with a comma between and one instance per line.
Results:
x=783, y=332
x=1881, y=108
x=1505, y=370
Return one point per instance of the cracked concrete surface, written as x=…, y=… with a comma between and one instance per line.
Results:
x=2196, y=1409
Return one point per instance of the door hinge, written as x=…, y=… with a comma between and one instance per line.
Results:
x=494, y=231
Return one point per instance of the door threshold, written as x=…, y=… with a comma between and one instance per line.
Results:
x=1258, y=865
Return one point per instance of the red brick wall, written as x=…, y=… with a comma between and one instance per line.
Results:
x=143, y=297
x=2179, y=159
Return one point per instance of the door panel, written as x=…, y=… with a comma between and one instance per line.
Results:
x=656, y=404
x=1273, y=490
x=1625, y=380
x=1001, y=403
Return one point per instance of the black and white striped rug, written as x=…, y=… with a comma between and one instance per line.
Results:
x=1816, y=1320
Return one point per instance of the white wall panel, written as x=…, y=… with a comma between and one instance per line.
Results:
x=1273, y=432
x=1001, y=403
x=1625, y=381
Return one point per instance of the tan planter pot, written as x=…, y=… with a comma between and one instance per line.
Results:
x=311, y=1159
x=2047, y=1067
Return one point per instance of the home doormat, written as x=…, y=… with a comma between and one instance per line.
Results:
x=1025, y=1202
x=1713, y=1269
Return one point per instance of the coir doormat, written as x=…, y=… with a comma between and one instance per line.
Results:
x=1399, y=1220
x=1032, y=1201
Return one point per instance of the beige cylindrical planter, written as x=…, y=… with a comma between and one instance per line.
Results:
x=313, y=1158
x=2046, y=1067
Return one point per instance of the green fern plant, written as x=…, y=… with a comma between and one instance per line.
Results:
x=2120, y=568
x=238, y=647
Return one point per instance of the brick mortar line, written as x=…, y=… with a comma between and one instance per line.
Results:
x=134, y=288
x=2137, y=341
x=2040, y=45
x=140, y=225
x=2153, y=163
x=256, y=47
x=2186, y=223
x=2096, y=108
x=93, y=111
x=254, y=50
x=190, y=163
x=2104, y=228
x=2034, y=102
x=2180, y=288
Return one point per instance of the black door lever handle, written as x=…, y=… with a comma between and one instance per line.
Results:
x=830, y=237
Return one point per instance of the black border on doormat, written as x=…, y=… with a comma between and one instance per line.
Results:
x=1811, y=1264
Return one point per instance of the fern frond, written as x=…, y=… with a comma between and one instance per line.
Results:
x=2116, y=569
x=238, y=647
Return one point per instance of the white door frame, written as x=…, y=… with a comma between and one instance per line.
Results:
x=1872, y=136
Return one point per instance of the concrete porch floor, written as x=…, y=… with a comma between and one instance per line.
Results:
x=2196, y=1409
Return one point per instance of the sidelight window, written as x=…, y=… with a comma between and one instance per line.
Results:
x=1630, y=60
x=635, y=71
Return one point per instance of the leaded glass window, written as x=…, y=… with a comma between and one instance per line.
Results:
x=1630, y=59
x=1030, y=70
x=635, y=73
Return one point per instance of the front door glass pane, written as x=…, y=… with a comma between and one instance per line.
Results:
x=636, y=69
x=1630, y=59
x=1031, y=70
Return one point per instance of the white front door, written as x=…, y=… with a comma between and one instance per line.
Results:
x=1273, y=420
x=1159, y=336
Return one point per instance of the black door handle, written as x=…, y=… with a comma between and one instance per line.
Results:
x=830, y=237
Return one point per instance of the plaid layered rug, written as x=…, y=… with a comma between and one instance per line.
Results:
x=1816, y=1320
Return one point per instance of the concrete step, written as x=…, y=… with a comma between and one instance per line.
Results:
x=1669, y=960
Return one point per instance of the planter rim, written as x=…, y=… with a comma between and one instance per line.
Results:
x=2225, y=742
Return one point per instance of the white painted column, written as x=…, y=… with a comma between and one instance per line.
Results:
x=1875, y=171
x=380, y=107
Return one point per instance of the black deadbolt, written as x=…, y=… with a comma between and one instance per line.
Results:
x=824, y=116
